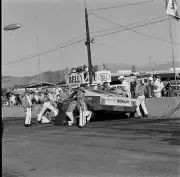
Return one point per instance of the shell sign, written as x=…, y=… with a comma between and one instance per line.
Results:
x=74, y=80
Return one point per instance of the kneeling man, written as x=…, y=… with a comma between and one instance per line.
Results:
x=49, y=104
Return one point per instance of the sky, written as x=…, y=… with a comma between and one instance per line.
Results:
x=59, y=21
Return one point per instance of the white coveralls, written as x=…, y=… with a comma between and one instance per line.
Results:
x=140, y=89
x=84, y=115
x=157, y=89
x=28, y=111
x=141, y=101
x=71, y=107
x=126, y=88
x=47, y=105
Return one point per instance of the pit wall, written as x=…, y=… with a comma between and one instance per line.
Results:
x=18, y=112
x=167, y=107
x=157, y=108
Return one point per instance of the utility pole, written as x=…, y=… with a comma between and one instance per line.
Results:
x=39, y=62
x=151, y=65
x=87, y=43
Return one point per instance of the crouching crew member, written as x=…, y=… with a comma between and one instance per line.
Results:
x=48, y=104
x=84, y=114
x=71, y=107
x=27, y=104
x=78, y=103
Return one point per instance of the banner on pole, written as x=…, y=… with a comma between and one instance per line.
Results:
x=172, y=9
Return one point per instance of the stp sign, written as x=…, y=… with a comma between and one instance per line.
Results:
x=103, y=76
x=74, y=80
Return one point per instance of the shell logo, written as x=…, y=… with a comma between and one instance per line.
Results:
x=74, y=80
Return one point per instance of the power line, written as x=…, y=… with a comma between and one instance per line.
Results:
x=67, y=45
x=52, y=50
x=119, y=6
x=134, y=23
x=131, y=29
x=105, y=34
x=42, y=53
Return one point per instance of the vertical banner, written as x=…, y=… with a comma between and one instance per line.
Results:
x=172, y=9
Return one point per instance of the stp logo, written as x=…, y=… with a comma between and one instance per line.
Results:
x=103, y=77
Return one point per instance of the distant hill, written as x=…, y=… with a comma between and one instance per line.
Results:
x=58, y=76
x=48, y=76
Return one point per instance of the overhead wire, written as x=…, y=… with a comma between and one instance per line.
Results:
x=126, y=28
x=42, y=53
x=119, y=6
x=118, y=31
x=134, y=23
x=132, y=29
x=79, y=41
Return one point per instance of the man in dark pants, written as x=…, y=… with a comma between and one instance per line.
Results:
x=60, y=119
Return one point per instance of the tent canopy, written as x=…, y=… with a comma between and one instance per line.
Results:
x=41, y=84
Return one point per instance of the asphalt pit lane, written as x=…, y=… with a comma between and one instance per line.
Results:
x=172, y=141
x=174, y=138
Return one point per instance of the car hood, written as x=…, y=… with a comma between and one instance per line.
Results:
x=100, y=93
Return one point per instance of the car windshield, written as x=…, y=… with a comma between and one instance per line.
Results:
x=101, y=91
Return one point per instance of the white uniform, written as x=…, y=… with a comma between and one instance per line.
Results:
x=48, y=105
x=69, y=112
x=140, y=93
x=28, y=112
x=126, y=88
x=157, y=89
x=84, y=114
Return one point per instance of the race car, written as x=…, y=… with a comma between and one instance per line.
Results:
x=100, y=100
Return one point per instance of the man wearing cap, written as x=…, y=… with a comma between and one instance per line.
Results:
x=157, y=87
x=27, y=104
x=125, y=85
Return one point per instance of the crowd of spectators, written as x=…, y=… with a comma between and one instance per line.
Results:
x=156, y=88
x=38, y=96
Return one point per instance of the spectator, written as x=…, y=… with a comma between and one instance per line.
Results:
x=149, y=88
x=157, y=87
x=162, y=86
x=168, y=88
x=125, y=85
x=140, y=95
x=132, y=89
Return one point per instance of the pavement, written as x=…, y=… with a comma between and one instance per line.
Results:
x=111, y=148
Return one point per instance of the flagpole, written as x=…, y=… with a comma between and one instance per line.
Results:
x=170, y=30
